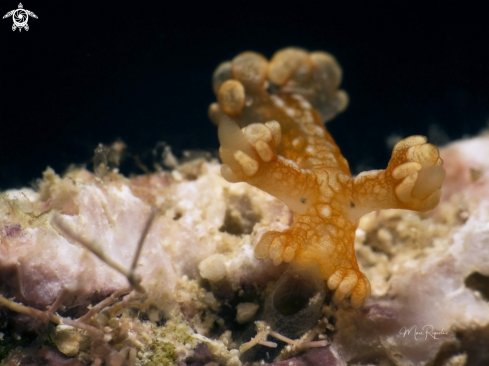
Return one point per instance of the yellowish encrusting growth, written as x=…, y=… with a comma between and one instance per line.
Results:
x=270, y=119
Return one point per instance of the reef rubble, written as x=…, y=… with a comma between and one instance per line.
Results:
x=204, y=289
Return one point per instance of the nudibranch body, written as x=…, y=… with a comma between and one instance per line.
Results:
x=270, y=119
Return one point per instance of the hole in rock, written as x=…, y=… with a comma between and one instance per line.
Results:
x=473, y=342
x=294, y=297
x=291, y=309
x=478, y=282
x=240, y=217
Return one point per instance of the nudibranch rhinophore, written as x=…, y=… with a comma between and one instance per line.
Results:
x=270, y=117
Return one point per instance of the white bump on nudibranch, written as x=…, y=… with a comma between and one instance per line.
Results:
x=297, y=142
x=325, y=211
x=311, y=150
x=290, y=111
x=304, y=104
x=277, y=101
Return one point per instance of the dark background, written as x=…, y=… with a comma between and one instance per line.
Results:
x=89, y=72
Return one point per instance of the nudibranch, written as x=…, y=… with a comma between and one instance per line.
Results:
x=270, y=117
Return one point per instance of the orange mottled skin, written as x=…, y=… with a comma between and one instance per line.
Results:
x=270, y=117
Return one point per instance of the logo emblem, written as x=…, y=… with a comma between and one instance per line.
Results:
x=20, y=17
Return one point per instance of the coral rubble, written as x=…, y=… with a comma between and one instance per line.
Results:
x=204, y=287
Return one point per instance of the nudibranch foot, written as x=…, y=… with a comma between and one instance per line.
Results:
x=412, y=179
x=244, y=151
x=349, y=282
x=279, y=246
x=418, y=166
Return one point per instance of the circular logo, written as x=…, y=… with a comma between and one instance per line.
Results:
x=20, y=17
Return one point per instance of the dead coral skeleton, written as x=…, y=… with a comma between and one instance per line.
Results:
x=109, y=335
x=111, y=339
x=132, y=277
